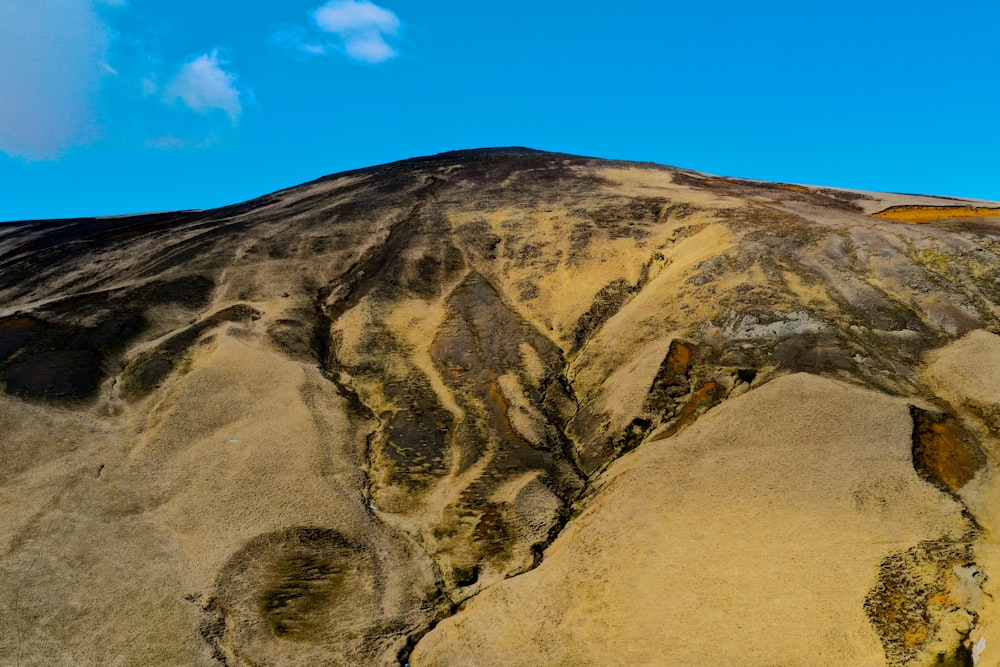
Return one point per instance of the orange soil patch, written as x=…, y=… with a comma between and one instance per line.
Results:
x=673, y=375
x=943, y=450
x=704, y=396
x=921, y=214
x=17, y=322
x=679, y=358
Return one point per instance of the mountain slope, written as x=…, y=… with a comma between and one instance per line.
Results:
x=308, y=428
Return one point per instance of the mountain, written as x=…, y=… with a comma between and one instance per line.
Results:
x=504, y=407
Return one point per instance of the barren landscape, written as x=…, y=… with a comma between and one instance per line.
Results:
x=505, y=407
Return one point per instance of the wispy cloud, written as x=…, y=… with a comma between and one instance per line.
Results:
x=52, y=66
x=203, y=85
x=358, y=28
x=68, y=78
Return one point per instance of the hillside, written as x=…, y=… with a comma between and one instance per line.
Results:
x=505, y=407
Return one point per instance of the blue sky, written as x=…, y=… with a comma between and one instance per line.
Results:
x=119, y=106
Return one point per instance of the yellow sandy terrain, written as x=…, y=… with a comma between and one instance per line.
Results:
x=504, y=408
x=746, y=540
x=967, y=374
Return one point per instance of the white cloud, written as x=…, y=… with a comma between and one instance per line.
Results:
x=358, y=28
x=350, y=16
x=52, y=66
x=370, y=48
x=68, y=78
x=203, y=85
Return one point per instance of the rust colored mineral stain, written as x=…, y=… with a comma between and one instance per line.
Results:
x=680, y=356
x=498, y=411
x=17, y=322
x=944, y=452
x=916, y=590
x=704, y=396
x=922, y=214
x=671, y=381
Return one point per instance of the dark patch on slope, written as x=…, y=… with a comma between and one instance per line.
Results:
x=945, y=453
x=817, y=353
x=41, y=235
x=620, y=217
x=746, y=189
x=370, y=270
x=537, y=181
x=671, y=381
x=87, y=258
x=690, y=381
x=426, y=277
x=916, y=591
x=478, y=342
x=478, y=237
x=65, y=349
x=481, y=338
x=150, y=368
x=676, y=397
x=608, y=301
x=412, y=445
x=416, y=436
x=296, y=591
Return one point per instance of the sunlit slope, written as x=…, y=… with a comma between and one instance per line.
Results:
x=747, y=539
x=312, y=428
